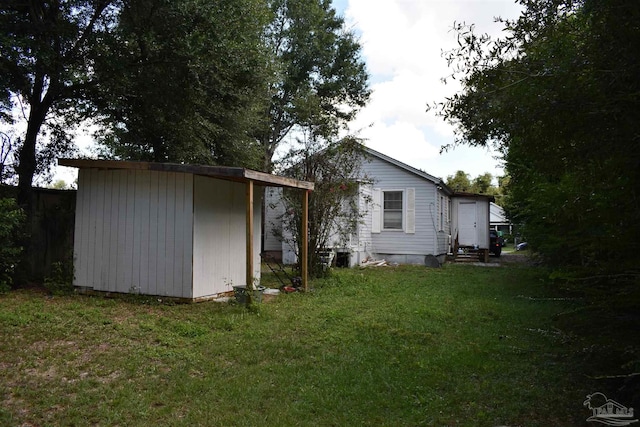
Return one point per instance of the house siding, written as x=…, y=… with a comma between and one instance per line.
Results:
x=398, y=245
x=134, y=232
x=274, y=208
x=362, y=245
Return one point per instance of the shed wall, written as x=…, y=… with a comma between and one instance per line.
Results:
x=481, y=219
x=133, y=232
x=219, y=243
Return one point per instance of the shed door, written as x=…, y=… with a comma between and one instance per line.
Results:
x=467, y=224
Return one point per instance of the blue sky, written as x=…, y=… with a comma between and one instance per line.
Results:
x=403, y=41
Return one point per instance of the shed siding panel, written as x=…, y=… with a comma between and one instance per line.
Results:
x=143, y=208
x=257, y=230
x=219, y=235
x=153, y=233
x=127, y=226
x=170, y=253
x=236, y=229
x=161, y=213
x=390, y=177
x=130, y=267
x=176, y=254
x=101, y=241
x=123, y=240
x=80, y=236
x=112, y=236
x=187, y=235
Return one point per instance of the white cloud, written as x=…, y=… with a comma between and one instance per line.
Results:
x=402, y=45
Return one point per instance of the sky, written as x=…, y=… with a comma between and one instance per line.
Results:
x=402, y=44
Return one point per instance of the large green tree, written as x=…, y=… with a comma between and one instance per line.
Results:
x=188, y=87
x=47, y=53
x=319, y=81
x=558, y=96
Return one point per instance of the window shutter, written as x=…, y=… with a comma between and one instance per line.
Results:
x=376, y=212
x=411, y=211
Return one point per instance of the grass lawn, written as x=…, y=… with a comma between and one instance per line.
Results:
x=456, y=346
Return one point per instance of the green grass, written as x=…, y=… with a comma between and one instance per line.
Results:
x=461, y=345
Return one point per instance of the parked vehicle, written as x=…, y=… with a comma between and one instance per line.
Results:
x=496, y=242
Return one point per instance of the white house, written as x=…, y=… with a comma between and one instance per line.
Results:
x=407, y=215
x=172, y=230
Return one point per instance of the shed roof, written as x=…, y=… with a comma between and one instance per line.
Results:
x=474, y=196
x=221, y=172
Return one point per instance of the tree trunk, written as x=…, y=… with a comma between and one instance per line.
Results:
x=27, y=158
x=26, y=170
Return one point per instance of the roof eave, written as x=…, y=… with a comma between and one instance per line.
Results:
x=220, y=172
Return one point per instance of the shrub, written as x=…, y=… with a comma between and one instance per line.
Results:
x=11, y=224
x=60, y=281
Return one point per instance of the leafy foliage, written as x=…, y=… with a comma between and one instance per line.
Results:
x=319, y=79
x=558, y=97
x=47, y=54
x=11, y=223
x=186, y=77
x=60, y=281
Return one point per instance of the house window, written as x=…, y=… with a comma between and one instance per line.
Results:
x=392, y=210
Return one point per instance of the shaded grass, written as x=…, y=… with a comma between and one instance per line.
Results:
x=460, y=345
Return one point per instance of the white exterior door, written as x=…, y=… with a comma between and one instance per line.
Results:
x=467, y=223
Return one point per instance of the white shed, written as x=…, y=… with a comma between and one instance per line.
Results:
x=470, y=219
x=181, y=231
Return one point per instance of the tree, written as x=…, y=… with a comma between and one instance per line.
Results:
x=558, y=97
x=459, y=182
x=336, y=170
x=47, y=52
x=7, y=157
x=482, y=184
x=187, y=89
x=319, y=79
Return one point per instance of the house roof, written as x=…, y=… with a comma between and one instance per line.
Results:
x=221, y=172
x=411, y=169
x=496, y=214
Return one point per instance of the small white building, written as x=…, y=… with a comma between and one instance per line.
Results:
x=182, y=231
x=470, y=220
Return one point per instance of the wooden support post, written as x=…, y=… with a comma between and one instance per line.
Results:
x=249, y=242
x=304, y=245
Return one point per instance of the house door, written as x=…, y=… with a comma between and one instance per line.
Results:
x=467, y=224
